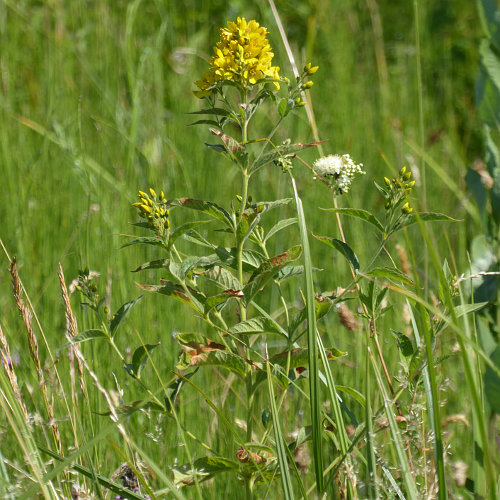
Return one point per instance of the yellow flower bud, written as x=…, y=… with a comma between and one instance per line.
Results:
x=137, y=204
x=406, y=208
x=308, y=85
x=162, y=196
x=146, y=209
x=142, y=194
x=313, y=70
x=407, y=176
x=410, y=184
x=402, y=171
x=387, y=181
x=153, y=193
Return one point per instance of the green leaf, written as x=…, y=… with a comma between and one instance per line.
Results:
x=391, y=273
x=145, y=240
x=139, y=359
x=289, y=272
x=202, y=469
x=210, y=111
x=285, y=106
x=86, y=335
x=404, y=343
x=223, y=278
x=359, y=214
x=492, y=382
x=184, y=228
x=120, y=315
x=176, y=292
x=343, y=248
x=222, y=298
x=154, y=264
x=464, y=309
x=281, y=224
x=257, y=325
x=206, y=207
x=411, y=219
x=268, y=270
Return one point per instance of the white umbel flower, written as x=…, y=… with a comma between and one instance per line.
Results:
x=338, y=171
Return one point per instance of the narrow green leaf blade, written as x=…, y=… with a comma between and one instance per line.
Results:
x=343, y=248
x=359, y=214
x=120, y=315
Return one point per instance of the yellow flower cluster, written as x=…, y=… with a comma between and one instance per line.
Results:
x=399, y=190
x=152, y=208
x=242, y=55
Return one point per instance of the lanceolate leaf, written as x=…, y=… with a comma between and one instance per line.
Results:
x=86, y=335
x=210, y=111
x=175, y=291
x=257, y=325
x=343, y=248
x=359, y=214
x=184, y=228
x=144, y=240
x=202, y=469
x=120, y=315
x=279, y=226
x=154, y=264
x=222, y=298
x=139, y=358
x=391, y=273
x=268, y=270
x=425, y=217
x=206, y=207
x=223, y=278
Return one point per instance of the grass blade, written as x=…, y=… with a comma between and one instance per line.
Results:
x=312, y=347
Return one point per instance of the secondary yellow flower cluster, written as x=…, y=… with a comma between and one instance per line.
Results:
x=152, y=208
x=242, y=55
x=399, y=190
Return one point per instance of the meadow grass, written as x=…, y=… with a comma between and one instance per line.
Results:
x=93, y=103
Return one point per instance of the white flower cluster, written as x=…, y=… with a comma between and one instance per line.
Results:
x=340, y=169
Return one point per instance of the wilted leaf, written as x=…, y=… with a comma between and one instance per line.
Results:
x=201, y=351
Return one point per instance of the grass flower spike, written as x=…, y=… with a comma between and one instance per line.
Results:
x=242, y=55
x=338, y=171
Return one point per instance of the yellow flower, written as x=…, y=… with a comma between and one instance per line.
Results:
x=242, y=55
